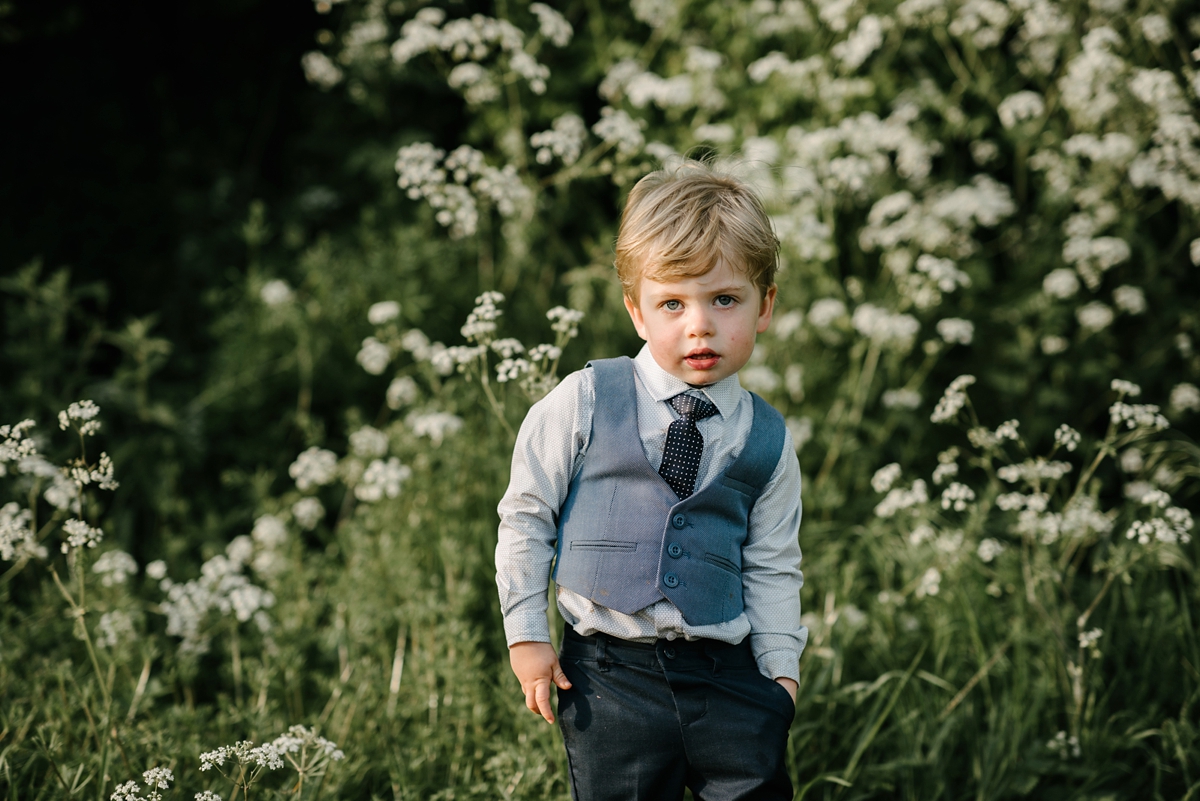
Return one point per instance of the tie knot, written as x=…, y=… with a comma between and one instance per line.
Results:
x=691, y=408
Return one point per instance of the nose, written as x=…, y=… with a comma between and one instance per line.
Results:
x=699, y=322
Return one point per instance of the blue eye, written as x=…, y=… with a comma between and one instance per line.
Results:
x=672, y=305
x=726, y=300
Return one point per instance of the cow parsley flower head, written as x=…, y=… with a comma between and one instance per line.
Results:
x=369, y=442
x=269, y=531
x=1138, y=415
x=1094, y=316
x=953, y=400
x=1066, y=437
x=314, y=467
x=382, y=479
x=956, y=331
x=1185, y=398
x=81, y=412
x=80, y=534
x=383, y=312
x=1018, y=108
x=402, y=391
x=114, y=567
x=989, y=549
x=552, y=25
x=885, y=477
x=957, y=496
x=1060, y=283
x=564, y=320
x=276, y=292
x=1130, y=299
x=308, y=512
x=435, y=425
x=374, y=356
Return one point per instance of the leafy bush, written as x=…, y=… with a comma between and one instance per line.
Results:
x=988, y=214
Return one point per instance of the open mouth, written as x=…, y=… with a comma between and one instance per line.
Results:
x=702, y=359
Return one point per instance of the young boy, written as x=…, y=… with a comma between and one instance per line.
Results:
x=667, y=499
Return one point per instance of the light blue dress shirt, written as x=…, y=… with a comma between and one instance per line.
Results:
x=550, y=450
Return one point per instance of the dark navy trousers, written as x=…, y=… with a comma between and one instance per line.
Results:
x=645, y=720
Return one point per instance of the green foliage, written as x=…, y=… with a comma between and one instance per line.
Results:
x=1004, y=610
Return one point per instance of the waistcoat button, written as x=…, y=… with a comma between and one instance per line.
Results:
x=674, y=550
x=671, y=580
x=669, y=653
x=679, y=521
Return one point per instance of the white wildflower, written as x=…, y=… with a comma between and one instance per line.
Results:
x=1066, y=437
x=953, y=400
x=314, y=467
x=788, y=323
x=899, y=499
x=989, y=549
x=1194, y=252
x=1138, y=415
x=565, y=139
x=564, y=320
x=801, y=429
x=374, y=356
x=921, y=534
x=947, y=466
x=1053, y=345
x=114, y=567
x=930, y=583
x=1131, y=461
x=1155, y=28
x=63, y=492
x=759, y=378
x=275, y=292
x=1185, y=398
x=883, y=327
x=156, y=570
x=269, y=531
x=1010, y=501
x=308, y=512
x=825, y=312
x=401, y=391
x=1094, y=316
x=1060, y=283
x=957, y=496
x=1130, y=299
x=1088, y=639
x=83, y=411
x=80, y=534
x=114, y=629
x=885, y=477
x=1125, y=388
x=320, y=70
x=617, y=128
x=382, y=479
x=1064, y=746
x=158, y=778
x=207, y=795
x=1008, y=430
x=382, y=312
x=551, y=24
x=1034, y=471
x=368, y=441
x=1020, y=107
x=858, y=47
x=901, y=399
x=435, y=425
x=956, y=331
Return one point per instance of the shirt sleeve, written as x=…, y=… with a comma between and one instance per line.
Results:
x=771, y=577
x=549, y=450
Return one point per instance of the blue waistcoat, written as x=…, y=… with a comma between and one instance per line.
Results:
x=626, y=541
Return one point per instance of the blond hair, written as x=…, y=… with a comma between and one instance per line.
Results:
x=682, y=222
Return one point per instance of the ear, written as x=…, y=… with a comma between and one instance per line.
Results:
x=766, y=310
x=635, y=314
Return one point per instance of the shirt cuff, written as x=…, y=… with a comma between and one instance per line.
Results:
x=776, y=656
x=529, y=627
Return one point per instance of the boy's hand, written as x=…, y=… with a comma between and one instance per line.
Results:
x=536, y=666
x=790, y=686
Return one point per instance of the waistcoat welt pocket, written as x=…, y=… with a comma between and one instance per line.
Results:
x=722, y=562
x=603, y=545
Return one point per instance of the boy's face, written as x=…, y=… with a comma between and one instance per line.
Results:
x=701, y=329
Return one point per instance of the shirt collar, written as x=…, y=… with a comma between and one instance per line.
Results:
x=662, y=386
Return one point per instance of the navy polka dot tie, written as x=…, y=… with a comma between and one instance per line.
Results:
x=681, y=457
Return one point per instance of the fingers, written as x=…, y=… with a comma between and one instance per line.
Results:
x=541, y=700
x=560, y=679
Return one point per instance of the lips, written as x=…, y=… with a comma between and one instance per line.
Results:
x=702, y=359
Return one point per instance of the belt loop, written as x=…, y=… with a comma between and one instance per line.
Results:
x=602, y=652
